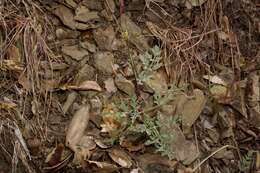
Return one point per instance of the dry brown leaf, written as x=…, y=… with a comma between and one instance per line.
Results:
x=103, y=167
x=77, y=127
x=86, y=85
x=13, y=53
x=135, y=170
x=101, y=144
x=215, y=79
x=219, y=92
x=192, y=109
x=103, y=164
x=110, y=85
x=120, y=157
x=54, y=157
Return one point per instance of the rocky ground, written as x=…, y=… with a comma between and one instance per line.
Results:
x=138, y=86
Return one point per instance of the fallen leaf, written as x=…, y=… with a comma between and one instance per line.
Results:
x=101, y=144
x=135, y=170
x=219, y=92
x=58, y=158
x=75, y=52
x=70, y=99
x=66, y=16
x=185, y=170
x=54, y=157
x=215, y=79
x=86, y=85
x=83, y=14
x=147, y=162
x=120, y=157
x=110, y=85
x=13, y=53
x=103, y=164
x=125, y=85
x=105, y=37
x=183, y=150
x=192, y=109
x=77, y=127
x=157, y=82
x=103, y=167
x=133, y=33
x=87, y=142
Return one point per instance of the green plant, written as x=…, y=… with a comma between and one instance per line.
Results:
x=161, y=140
x=156, y=128
x=132, y=107
x=151, y=61
x=246, y=161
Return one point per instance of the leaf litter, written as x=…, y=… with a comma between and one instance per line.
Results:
x=129, y=86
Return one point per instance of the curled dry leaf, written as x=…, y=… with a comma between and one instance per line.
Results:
x=58, y=158
x=54, y=157
x=70, y=99
x=120, y=157
x=77, y=127
x=101, y=144
x=215, y=79
x=87, y=142
x=136, y=170
x=103, y=165
x=86, y=85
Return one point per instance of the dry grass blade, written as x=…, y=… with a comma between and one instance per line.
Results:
x=23, y=26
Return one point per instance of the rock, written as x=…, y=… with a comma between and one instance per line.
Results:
x=74, y=52
x=93, y=4
x=66, y=16
x=84, y=15
x=157, y=82
x=192, y=109
x=64, y=33
x=104, y=62
x=134, y=33
x=125, y=85
x=89, y=46
x=104, y=37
